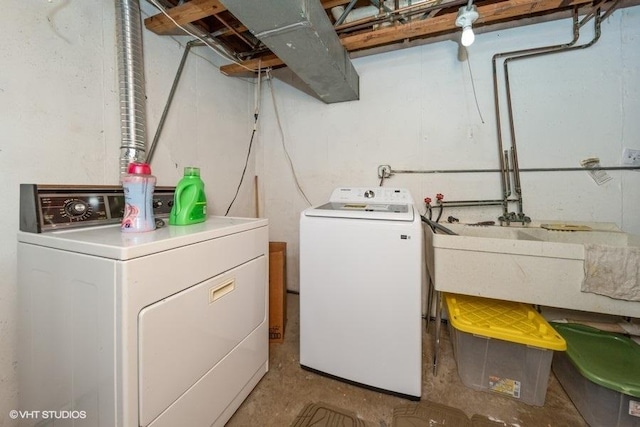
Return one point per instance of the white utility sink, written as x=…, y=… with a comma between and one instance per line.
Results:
x=528, y=264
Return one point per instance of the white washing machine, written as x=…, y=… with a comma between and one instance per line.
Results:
x=361, y=273
x=163, y=328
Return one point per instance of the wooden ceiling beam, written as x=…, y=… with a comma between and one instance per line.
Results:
x=195, y=10
x=250, y=67
x=184, y=14
x=489, y=14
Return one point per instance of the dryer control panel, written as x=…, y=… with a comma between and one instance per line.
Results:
x=54, y=207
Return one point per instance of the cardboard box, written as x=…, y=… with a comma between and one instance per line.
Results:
x=277, y=291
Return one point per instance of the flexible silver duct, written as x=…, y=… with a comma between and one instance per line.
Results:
x=131, y=81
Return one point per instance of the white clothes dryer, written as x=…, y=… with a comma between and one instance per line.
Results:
x=361, y=272
x=162, y=328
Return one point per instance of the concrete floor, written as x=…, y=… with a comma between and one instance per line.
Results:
x=287, y=388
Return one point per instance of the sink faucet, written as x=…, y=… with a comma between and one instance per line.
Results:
x=514, y=217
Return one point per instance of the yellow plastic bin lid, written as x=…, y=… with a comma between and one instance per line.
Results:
x=505, y=320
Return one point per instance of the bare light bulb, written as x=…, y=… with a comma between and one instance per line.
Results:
x=467, y=36
x=467, y=15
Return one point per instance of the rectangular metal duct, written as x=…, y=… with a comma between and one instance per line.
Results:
x=300, y=34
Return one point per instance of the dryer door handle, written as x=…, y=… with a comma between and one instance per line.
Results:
x=222, y=290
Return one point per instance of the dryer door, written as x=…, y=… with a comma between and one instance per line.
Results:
x=183, y=337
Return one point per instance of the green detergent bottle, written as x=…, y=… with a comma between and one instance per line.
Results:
x=189, y=200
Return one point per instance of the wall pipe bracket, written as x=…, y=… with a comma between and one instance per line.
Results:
x=384, y=171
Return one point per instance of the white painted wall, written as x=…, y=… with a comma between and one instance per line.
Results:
x=417, y=111
x=59, y=124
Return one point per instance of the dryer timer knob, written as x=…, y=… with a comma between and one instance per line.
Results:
x=369, y=194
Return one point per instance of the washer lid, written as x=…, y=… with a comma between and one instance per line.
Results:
x=360, y=210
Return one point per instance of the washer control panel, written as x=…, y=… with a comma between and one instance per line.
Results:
x=371, y=195
x=49, y=207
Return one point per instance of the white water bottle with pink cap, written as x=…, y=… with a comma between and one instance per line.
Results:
x=138, y=185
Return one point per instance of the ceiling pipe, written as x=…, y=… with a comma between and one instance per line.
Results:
x=385, y=16
x=422, y=8
x=131, y=83
x=514, y=151
x=342, y=12
x=502, y=156
x=172, y=92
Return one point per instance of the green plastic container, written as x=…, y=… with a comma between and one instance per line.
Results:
x=600, y=372
x=189, y=201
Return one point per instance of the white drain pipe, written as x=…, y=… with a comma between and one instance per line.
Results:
x=131, y=82
x=369, y=11
x=355, y=14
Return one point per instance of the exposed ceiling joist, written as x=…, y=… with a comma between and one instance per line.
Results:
x=195, y=10
x=263, y=62
x=406, y=26
x=183, y=14
x=489, y=14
